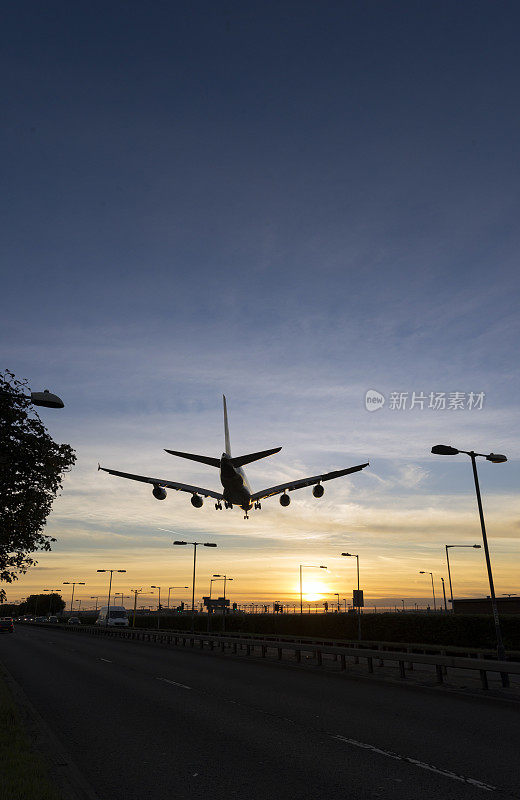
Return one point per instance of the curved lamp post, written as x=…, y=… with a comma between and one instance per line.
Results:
x=353, y=555
x=158, y=606
x=174, y=587
x=495, y=458
x=447, y=546
x=422, y=572
x=45, y=399
x=306, y=566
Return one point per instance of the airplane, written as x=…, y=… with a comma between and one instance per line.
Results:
x=237, y=490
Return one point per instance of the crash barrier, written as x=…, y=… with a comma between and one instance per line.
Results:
x=409, y=647
x=254, y=646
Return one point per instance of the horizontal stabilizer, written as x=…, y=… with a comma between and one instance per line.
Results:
x=213, y=462
x=239, y=461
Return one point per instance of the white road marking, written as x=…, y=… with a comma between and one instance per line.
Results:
x=165, y=680
x=106, y=660
x=421, y=764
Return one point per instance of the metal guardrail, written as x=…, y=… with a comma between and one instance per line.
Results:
x=254, y=646
x=410, y=647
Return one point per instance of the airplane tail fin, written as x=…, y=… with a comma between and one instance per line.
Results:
x=213, y=462
x=239, y=461
x=226, y=428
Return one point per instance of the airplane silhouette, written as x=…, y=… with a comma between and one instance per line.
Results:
x=237, y=490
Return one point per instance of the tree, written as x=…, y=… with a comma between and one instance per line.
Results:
x=42, y=604
x=32, y=465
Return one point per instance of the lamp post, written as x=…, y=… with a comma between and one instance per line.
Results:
x=495, y=458
x=422, y=572
x=96, y=598
x=45, y=399
x=306, y=566
x=336, y=594
x=135, y=592
x=109, y=590
x=224, y=578
x=447, y=546
x=444, y=594
x=174, y=587
x=195, y=544
x=353, y=555
x=52, y=591
x=73, y=584
x=158, y=606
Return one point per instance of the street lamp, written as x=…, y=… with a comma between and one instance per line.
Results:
x=158, y=606
x=195, y=544
x=174, y=587
x=336, y=594
x=109, y=590
x=353, y=555
x=46, y=399
x=52, y=591
x=96, y=598
x=422, y=572
x=306, y=566
x=476, y=546
x=135, y=592
x=73, y=584
x=444, y=594
x=495, y=458
x=224, y=578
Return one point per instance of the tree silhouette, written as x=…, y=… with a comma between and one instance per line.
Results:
x=31, y=470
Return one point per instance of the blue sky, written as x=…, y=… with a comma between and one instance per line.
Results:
x=291, y=203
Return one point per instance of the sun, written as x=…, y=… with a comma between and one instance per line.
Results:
x=313, y=590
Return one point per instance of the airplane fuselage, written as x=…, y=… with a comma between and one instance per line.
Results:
x=237, y=490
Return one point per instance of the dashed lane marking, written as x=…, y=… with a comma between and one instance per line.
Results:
x=106, y=660
x=421, y=764
x=165, y=680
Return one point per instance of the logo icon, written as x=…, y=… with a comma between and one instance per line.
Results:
x=374, y=400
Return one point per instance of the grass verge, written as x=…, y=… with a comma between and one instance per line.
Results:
x=25, y=775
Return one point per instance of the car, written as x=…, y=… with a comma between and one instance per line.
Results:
x=74, y=621
x=54, y=620
x=117, y=617
x=6, y=625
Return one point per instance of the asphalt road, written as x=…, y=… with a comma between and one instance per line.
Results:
x=143, y=722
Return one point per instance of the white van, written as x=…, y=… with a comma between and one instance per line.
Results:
x=116, y=618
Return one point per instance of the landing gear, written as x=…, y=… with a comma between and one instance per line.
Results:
x=258, y=506
x=218, y=506
x=227, y=505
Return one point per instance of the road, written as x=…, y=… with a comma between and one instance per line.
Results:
x=143, y=722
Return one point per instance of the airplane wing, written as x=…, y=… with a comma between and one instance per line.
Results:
x=282, y=487
x=179, y=487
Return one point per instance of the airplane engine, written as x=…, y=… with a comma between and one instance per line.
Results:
x=318, y=490
x=197, y=501
x=284, y=500
x=159, y=493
